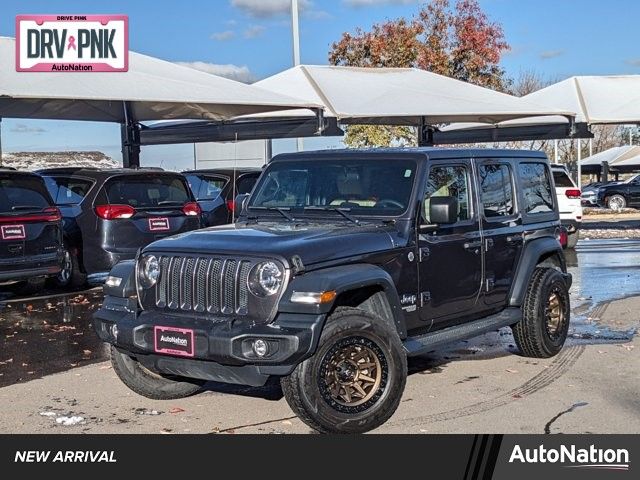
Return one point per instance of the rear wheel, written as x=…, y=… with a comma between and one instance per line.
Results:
x=543, y=329
x=616, y=202
x=150, y=384
x=355, y=380
x=70, y=276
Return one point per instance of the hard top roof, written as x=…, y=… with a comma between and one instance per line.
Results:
x=433, y=153
x=104, y=173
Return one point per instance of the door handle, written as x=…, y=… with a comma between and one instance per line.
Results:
x=515, y=239
x=473, y=245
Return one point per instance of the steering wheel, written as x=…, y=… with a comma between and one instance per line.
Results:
x=390, y=203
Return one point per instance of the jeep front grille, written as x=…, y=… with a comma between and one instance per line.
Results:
x=204, y=285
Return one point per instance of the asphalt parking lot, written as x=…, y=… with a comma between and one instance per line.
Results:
x=55, y=378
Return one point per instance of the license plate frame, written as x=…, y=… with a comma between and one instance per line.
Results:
x=13, y=232
x=172, y=344
x=159, y=224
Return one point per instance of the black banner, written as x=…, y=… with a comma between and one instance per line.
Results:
x=465, y=457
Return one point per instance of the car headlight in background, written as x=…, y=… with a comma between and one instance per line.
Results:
x=148, y=271
x=265, y=279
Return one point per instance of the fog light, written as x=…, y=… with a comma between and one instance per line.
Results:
x=260, y=348
x=114, y=331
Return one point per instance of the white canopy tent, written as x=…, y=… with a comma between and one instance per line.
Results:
x=152, y=89
x=596, y=100
x=620, y=159
x=399, y=96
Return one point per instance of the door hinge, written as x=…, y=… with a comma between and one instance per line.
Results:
x=489, y=244
x=425, y=298
x=490, y=284
x=424, y=253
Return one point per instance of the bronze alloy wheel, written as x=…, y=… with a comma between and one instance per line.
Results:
x=555, y=314
x=353, y=375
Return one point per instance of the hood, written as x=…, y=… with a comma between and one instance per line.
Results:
x=313, y=243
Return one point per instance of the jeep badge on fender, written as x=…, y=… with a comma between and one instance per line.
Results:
x=341, y=266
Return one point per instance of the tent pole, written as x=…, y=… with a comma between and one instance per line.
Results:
x=425, y=134
x=295, y=32
x=0, y=141
x=591, y=147
x=555, y=151
x=130, y=139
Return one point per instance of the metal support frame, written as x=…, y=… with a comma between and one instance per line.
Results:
x=130, y=139
x=425, y=133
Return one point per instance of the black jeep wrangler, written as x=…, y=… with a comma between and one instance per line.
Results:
x=342, y=265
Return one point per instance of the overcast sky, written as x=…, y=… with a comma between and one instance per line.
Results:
x=250, y=39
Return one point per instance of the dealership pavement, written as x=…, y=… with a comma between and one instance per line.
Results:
x=476, y=386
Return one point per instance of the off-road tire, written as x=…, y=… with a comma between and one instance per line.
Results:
x=307, y=395
x=149, y=384
x=616, y=202
x=76, y=278
x=572, y=240
x=531, y=334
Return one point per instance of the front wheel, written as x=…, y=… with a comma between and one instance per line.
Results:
x=543, y=329
x=150, y=384
x=355, y=380
x=617, y=202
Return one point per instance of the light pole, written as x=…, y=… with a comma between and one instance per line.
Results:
x=295, y=30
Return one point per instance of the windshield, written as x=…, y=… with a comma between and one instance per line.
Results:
x=362, y=187
x=23, y=193
x=147, y=191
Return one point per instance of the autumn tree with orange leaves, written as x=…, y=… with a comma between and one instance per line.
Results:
x=457, y=40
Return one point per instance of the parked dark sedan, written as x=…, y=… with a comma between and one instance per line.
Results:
x=30, y=230
x=216, y=190
x=110, y=214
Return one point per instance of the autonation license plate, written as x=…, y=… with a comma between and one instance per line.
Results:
x=174, y=341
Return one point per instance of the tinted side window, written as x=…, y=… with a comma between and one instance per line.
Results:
x=245, y=184
x=67, y=191
x=536, y=188
x=450, y=181
x=497, y=191
x=562, y=180
x=24, y=193
x=206, y=188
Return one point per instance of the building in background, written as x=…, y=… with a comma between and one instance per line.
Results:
x=251, y=153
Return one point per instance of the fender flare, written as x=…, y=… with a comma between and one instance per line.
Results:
x=126, y=270
x=532, y=253
x=343, y=279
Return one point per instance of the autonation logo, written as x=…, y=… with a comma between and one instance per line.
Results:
x=573, y=457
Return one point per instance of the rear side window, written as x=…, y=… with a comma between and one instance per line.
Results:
x=205, y=187
x=562, y=180
x=536, y=188
x=23, y=193
x=496, y=189
x=67, y=191
x=147, y=191
x=245, y=184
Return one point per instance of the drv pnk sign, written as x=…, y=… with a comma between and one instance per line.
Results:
x=72, y=43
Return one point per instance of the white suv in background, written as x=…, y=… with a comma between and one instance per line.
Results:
x=569, y=203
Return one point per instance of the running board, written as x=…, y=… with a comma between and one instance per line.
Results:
x=425, y=343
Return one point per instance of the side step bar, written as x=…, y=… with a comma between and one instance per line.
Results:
x=425, y=343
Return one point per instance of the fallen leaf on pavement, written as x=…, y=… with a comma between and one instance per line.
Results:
x=510, y=370
x=287, y=422
x=177, y=410
x=106, y=367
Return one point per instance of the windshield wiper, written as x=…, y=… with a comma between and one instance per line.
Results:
x=280, y=210
x=169, y=203
x=342, y=211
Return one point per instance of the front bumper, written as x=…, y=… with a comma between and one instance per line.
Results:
x=222, y=348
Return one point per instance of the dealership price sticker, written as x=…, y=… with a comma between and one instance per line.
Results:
x=72, y=43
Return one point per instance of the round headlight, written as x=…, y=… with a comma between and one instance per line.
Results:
x=265, y=279
x=148, y=271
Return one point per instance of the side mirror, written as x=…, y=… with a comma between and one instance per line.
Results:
x=240, y=204
x=443, y=210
